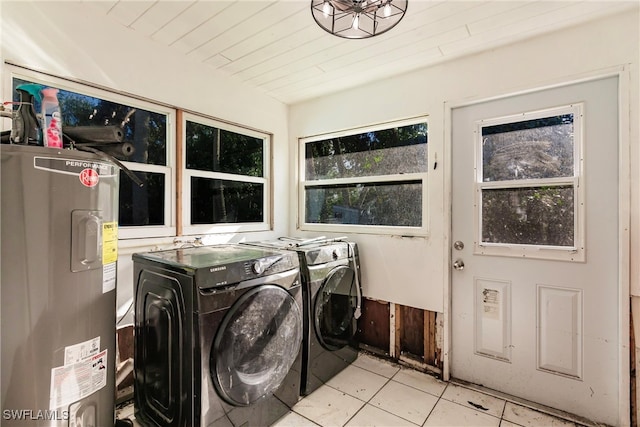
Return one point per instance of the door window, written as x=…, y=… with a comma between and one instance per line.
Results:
x=334, y=309
x=528, y=195
x=256, y=345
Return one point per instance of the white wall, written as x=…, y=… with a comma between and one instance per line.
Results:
x=414, y=272
x=67, y=40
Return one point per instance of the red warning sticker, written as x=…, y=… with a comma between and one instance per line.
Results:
x=89, y=177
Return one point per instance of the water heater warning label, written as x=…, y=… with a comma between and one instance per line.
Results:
x=109, y=242
x=75, y=381
x=109, y=273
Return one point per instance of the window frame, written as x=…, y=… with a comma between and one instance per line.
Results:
x=574, y=253
x=304, y=184
x=168, y=170
x=197, y=229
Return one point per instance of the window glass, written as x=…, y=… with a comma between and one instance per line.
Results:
x=539, y=148
x=528, y=185
x=388, y=203
x=219, y=150
x=384, y=152
x=372, y=178
x=216, y=201
x=226, y=176
x=146, y=130
x=529, y=216
x=141, y=206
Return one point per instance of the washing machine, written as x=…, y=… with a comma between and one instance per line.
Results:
x=330, y=272
x=218, y=333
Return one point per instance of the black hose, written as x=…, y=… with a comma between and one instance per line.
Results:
x=110, y=158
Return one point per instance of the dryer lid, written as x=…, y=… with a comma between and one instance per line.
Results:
x=334, y=309
x=208, y=256
x=219, y=265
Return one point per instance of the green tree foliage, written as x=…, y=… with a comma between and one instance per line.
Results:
x=219, y=150
x=400, y=150
x=524, y=214
x=528, y=216
x=146, y=130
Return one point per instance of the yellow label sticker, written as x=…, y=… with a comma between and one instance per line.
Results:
x=109, y=242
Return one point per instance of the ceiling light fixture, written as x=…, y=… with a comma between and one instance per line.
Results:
x=358, y=19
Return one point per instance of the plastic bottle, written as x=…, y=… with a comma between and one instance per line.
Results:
x=52, y=118
x=26, y=128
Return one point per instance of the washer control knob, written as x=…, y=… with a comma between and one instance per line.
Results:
x=336, y=254
x=258, y=267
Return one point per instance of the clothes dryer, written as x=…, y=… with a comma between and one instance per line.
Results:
x=330, y=271
x=218, y=336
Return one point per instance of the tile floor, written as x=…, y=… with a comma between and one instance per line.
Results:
x=375, y=392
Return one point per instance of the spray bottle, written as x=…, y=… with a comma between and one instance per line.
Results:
x=52, y=119
x=25, y=128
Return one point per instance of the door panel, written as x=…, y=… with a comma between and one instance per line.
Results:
x=160, y=350
x=559, y=326
x=538, y=317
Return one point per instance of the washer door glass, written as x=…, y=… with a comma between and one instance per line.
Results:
x=334, y=308
x=257, y=343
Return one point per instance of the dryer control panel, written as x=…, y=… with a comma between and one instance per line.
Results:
x=327, y=253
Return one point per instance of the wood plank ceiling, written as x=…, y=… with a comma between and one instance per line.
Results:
x=276, y=46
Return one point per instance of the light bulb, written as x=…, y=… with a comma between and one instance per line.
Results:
x=355, y=22
x=387, y=10
x=326, y=8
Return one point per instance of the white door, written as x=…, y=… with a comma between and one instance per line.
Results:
x=535, y=293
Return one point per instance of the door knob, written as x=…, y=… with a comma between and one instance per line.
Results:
x=458, y=264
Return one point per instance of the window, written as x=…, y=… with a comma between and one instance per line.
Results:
x=528, y=185
x=226, y=177
x=143, y=148
x=368, y=180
